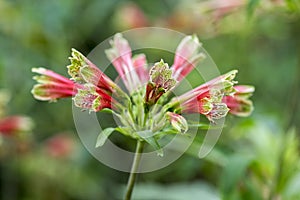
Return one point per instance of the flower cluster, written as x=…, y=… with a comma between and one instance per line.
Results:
x=146, y=110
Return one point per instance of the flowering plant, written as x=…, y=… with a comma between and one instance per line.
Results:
x=147, y=111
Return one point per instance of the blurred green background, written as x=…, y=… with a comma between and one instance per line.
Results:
x=256, y=157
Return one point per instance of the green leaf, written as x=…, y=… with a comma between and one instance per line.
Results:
x=178, y=191
x=233, y=173
x=124, y=130
x=103, y=136
x=204, y=126
x=107, y=110
x=200, y=125
x=293, y=5
x=148, y=137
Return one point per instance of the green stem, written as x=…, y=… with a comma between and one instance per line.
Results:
x=134, y=169
x=278, y=173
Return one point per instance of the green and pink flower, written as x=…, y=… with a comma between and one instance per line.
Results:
x=146, y=107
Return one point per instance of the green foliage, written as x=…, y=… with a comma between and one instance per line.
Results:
x=103, y=136
x=252, y=5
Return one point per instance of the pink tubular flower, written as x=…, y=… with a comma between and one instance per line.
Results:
x=239, y=103
x=52, y=86
x=121, y=57
x=206, y=99
x=187, y=57
x=89, y=86
x=130, y=16
x=221, y=8
x=82, y=69
x=15, y=124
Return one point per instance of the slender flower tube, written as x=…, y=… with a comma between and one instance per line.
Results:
x=52, y=86
x=121, y=57
x=15, y=124
x=187, y=56
x=239, y=103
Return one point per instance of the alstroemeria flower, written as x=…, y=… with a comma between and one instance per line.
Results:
x=145, y=113
x=206, y=99
x=82, y=70
x=52, y=86
x=121, y=57
x=15, y=124
x=187, y=57
x=89, y=86
x=239, y=103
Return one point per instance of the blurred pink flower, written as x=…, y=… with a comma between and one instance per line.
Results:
x=130, y=16
x=222, y=7
x=15, y=124
x=60, y=146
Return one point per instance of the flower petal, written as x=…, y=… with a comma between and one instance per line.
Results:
x=120, y=57
x=187, y=56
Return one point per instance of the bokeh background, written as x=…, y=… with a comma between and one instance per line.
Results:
x=256, y=157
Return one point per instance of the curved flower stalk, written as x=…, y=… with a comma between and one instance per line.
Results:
x=146, y=112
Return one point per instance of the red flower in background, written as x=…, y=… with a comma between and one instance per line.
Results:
x=60, y=146
x=15, y=124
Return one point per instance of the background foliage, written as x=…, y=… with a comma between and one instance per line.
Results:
x=255, y=158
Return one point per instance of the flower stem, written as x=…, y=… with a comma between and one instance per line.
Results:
x=134, y=169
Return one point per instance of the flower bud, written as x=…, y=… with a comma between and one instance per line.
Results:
x=178, y=122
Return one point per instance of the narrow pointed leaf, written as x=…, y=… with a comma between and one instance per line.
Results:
x=103, y=136
x=148, y=137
